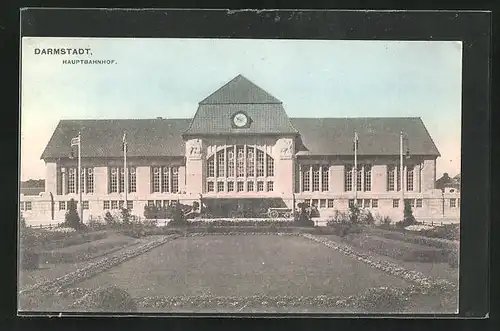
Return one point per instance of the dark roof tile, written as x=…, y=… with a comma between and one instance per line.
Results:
x=377, y=136
x=240, y=90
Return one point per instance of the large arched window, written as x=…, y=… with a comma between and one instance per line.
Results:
x=240, y=168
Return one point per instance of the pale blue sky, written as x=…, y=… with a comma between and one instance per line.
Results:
x=168, y=77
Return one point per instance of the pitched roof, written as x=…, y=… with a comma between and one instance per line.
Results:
x=163, y=137
x=266, y=118
x=103, y=138
x=239, y=90
x=377, y=136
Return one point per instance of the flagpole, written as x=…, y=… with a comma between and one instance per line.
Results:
x=125, y=174
x=355, y=169
x=401, y=169
x=80, y=176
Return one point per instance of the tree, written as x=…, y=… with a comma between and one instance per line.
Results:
x=125, y=216
x=408, y=213
x=72, y=219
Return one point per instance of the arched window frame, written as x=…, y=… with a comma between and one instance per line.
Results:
x=239, y=163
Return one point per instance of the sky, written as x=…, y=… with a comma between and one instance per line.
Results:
x=167, y=78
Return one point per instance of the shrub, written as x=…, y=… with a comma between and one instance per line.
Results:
x=95, y=223
x=354, y=214
x=22, y=221
x=178, y=215
x=109, y=219
x=110, y=299
x=408, y=218
x=453, y=259
x=72, y=219
x=367, y=217
x=29, y=260
x=303, y=219
x=447, y=231
x=125, y=216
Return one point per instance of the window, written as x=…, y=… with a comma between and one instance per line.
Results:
x=366, y=203
x=85, y=204
x=151, y=203
x=322, y=203
x=122, y=180
x=250, y=163
x=89, y=180
x=260, y=163
x=220, y=164
x=230, y=162
x=359, y=174
x=72, y=180
x=243, y=162
x=220, y=186
x=130, y=204
x=453, y=202
x=270, y=186
x=419, y=203
x=260, y=186
x=240, y=186
x=158, y=203
x=409, y=178
x=325, y=179
x=374, y=203
x=165, y=179
x=27, y=205
x=395, y=203
x=21, y=205
x=105, y=205
x=359, y=202
x=391, y=173
x=315, y=184
x=314, y=202
x=210, y=186
x=368, y=177
x=132, y=179
x=175, y=179
x=120, y=204
x=114, y=204
x=165, y=203
x=348, y=169
x=230, y=186
x=62, y=205
x=156, y=179
x=270, y=166
x=351, y=203
x=306, y=178
x=330, y=203
x=210, y=167
x=240, y=161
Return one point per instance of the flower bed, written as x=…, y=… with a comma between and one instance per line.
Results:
x=386, y=266
x=92, y=269
x=378, y=299
x=415, y=238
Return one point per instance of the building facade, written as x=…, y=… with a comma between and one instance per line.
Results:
x=241, y=145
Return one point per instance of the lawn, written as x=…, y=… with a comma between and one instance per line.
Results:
x=242, y=265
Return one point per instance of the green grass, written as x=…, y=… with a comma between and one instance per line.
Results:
x=242, y=265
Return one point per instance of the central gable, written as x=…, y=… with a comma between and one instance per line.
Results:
x=265, y=113
x=240, y=90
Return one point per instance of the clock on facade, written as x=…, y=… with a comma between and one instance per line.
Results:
x=240, y=120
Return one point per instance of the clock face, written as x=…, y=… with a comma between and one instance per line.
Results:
x=240, y=120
